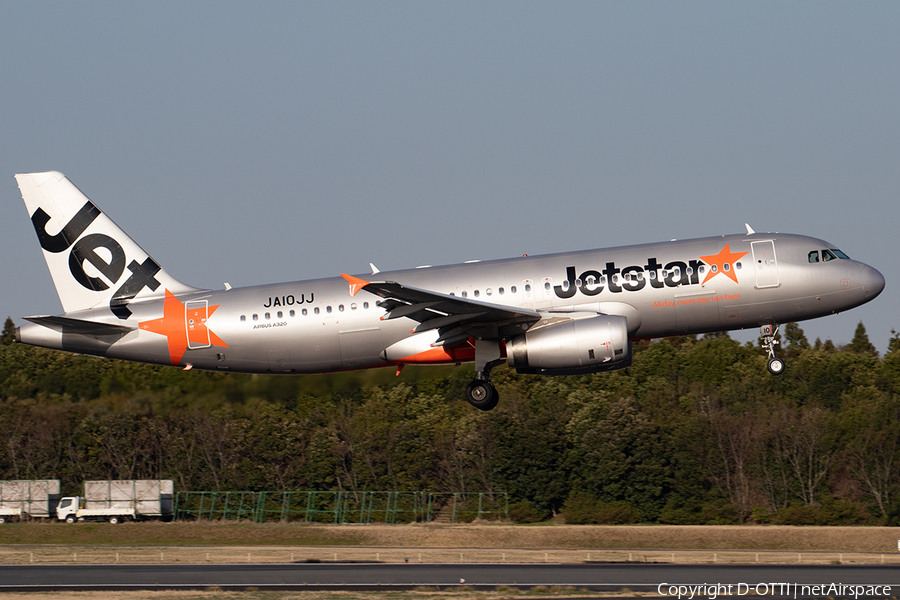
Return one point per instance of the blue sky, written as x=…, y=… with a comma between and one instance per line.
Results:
x=261, y=142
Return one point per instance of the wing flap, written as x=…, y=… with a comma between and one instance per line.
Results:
x=454, y=317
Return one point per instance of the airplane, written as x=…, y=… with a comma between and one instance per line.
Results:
x=557, y=314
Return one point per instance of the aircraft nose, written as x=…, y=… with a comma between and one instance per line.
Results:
x=872, y=281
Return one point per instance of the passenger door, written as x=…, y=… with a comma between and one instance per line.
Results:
x=766, y=266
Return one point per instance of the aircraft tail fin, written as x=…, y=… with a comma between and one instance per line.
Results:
x=94, y=264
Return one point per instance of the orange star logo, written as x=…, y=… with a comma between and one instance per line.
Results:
x=723, y=262
x=182, y=326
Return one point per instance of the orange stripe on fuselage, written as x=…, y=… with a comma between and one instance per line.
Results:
x=441, y=355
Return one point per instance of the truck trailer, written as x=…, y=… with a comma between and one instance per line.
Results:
x=120, y=500
x=27, y=498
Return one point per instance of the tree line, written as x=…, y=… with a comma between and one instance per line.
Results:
x=696, y=431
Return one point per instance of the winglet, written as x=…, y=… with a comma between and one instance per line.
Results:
x=356, y=283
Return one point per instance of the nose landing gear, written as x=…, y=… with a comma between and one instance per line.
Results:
x=767, y=333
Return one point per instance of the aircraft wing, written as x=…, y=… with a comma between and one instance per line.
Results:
x=455, y=318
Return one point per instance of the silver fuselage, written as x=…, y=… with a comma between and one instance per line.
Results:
x=317, y=326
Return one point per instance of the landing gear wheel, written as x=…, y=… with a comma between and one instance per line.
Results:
x=481, y=394
x=776, y=366
x=767, y=334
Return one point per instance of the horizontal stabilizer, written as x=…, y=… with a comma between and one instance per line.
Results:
x=70, y=325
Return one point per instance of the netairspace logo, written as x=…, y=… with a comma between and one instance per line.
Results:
x=781, y=589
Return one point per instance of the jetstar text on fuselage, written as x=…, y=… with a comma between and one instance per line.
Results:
x=635, y=278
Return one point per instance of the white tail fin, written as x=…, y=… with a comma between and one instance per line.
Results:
x=92, y=261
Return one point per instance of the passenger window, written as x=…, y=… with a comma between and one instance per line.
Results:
x=500, y=291
x=256, y=317
x=488, y=291
x=512, y=289
x=465, y=294
x=292, y=313
x=813, y=256
x=328, y=309
x=304, y=312
x=527, y=287
x=827, y=255
x=353, y=306
x=279, y=314
x=737, y=266
x=316, y=310
x=476, y=293
x=341, y=307
x=365, y=305
x=243, y=318
x=547, y=285
x=268, y=316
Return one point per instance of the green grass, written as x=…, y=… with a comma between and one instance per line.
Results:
x=175, y=534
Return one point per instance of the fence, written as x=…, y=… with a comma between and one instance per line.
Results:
x=342, y=507
x=220, y=555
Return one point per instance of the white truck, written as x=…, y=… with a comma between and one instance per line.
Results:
x=24, y=498
x=72, y=509
x=119, y=500
x=10, y=513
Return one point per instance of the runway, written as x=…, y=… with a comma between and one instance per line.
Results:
x=776, y=580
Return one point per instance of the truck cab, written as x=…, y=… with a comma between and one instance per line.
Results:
x=67, y=509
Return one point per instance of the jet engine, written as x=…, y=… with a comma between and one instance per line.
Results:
x=572, y=346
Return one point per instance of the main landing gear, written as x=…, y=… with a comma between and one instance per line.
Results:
x=481, y=393
x=767, y=333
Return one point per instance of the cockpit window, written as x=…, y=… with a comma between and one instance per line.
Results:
x=828, y=255
x=814, y=256
x=840, y=254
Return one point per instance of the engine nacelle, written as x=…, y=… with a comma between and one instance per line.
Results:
x=572, y=347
